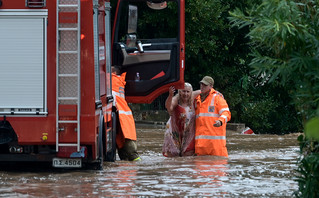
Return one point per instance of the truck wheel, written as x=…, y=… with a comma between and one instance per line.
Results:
x=100, y=144
x=111, y=140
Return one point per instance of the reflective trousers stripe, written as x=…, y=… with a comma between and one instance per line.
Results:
x=209, y=137
x=125, y=112
x=118, y=94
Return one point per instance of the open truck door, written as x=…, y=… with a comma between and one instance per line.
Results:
x=148, y=44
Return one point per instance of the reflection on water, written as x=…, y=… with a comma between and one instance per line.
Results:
x=258, y=166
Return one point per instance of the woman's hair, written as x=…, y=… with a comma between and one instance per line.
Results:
x=188, y=85
x=189, y=102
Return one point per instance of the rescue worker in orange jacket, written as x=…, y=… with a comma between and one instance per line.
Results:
x=212, y=114
x=126, y=133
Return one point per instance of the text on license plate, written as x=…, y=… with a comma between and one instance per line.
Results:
x=67, y=162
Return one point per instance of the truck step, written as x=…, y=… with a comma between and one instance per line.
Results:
x=68, y=121
x=67, y=98
x=68, y=6
x=68, y=75
x=68, y=52
x=67, y=144
x=68, y=29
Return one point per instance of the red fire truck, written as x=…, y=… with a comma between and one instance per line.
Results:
x=55, y=73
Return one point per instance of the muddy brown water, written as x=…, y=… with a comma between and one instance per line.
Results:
x=258, y=166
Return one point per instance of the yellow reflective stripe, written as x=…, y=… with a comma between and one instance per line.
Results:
x=210, y=137
x=137, y=159
x=125, y=112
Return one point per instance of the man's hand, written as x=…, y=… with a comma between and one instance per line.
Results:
x=218, y=123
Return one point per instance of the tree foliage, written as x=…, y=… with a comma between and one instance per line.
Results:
x=308, y=168
x=284, y=39
x=215, y=48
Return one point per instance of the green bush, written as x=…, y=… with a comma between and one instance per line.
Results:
x=308, y=168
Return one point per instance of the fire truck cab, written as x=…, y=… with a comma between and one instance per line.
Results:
x=55, y=73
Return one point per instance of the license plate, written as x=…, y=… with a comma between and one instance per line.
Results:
x=67, y=162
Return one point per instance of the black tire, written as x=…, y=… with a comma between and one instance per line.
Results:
x=101, y=144
x=111, y=140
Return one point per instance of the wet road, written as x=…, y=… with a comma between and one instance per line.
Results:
x=258, y=166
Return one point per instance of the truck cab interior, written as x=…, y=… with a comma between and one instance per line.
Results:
x=143, y=45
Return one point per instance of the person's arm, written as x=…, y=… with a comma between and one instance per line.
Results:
x=195, y=94
x=223, y=111
x=171, y=100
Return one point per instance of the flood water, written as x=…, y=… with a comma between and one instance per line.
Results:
x=258, y=166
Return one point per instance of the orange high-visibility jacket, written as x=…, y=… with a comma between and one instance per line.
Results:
x=125, y=114
x=210, y=140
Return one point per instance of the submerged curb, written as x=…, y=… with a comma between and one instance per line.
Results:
x=150, y=124
x=144, y=124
